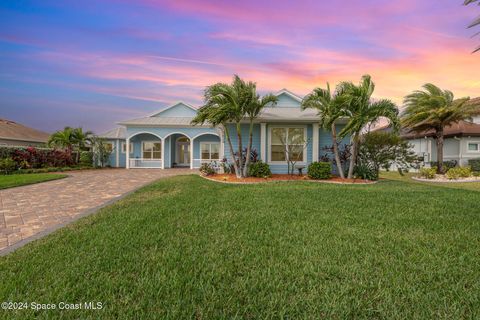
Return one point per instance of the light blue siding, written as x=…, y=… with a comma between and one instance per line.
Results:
x=179, y=110
x=245, y=136
x=286, y=101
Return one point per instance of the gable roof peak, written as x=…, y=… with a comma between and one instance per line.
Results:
x=172, y=106
x=290, y=94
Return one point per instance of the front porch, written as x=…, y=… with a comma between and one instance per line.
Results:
x=175, y=150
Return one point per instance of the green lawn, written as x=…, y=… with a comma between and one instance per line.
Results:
x=16, y=180
x=185, y=247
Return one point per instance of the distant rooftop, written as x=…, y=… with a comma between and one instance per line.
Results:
x=12, y=130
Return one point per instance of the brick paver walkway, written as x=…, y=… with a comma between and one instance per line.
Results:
x=26, y=211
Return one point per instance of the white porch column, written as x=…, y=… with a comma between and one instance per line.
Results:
x=315, y=140
x=263, y=141
x=163, y=152
x=221, y=154
x=191, y=153
x=127, y=153
x=117, y=154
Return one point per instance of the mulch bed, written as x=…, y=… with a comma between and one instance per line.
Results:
x=231, y=178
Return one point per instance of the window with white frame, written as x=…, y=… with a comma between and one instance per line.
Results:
x=124, y=147
x=287, y=142
x=209, y=150
x=152, y=150
x=474, y=146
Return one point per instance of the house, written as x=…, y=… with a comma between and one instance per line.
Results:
x=16, y=134
x=167, y=139
x=462, y=141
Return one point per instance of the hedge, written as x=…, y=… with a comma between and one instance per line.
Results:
x=31, y=157
x=474, y=164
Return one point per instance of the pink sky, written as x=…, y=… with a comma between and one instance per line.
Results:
x=70, y=63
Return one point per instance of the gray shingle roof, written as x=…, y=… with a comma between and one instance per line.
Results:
x=116, y=133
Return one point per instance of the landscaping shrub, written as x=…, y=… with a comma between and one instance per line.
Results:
x=7, y=165
x=207, y=169
x=30, y=157
x=320, y=170
x=86, y=158
x=366, y=171
x=474, y=164
x=459, y=172
x=428, y=173
x=446, y=164
x=259, y=169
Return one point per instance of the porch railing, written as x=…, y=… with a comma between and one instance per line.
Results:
x=145, y=163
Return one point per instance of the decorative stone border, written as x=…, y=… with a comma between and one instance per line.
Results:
x=287, y=180
x=446, y=180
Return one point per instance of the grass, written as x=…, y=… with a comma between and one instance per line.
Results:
x=16, y=180
x=407, y=177
x=185, y=247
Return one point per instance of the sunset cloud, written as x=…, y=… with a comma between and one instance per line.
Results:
x=126, y=58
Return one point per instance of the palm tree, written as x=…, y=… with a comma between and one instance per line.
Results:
x=224, y=105
x=330, y=110
x=62, y=139
x=434, y=109
x=81, y=139
x=252, y=111
x=361, y=111
x=231, y=104
x=476, y=22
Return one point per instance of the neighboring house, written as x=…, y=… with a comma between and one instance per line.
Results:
x=462, y=141
x=15, y=134
x=166, y=139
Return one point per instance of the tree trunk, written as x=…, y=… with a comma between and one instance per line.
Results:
x=439, y=141
x=353, y=157
x=249, y=149
x=335, y=152
x=232, y=152
x=240, y=147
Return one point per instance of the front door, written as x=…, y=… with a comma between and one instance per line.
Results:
x=183, y=152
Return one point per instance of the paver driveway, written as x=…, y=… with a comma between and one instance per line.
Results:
x=29, y=210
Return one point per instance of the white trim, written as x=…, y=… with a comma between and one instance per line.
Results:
x=473, y=142
x=127, y=154
x=144, y=132
x=191, y=153
x=315, y=140
x=176, y=132
x=152, y=141
x=124, y=145
x=162, y=150
x=269, y=153
x=263, y=138
x=117, y=157
x=171, y=106
x=202, y=134
x=209, y=150
x=177, y=151
x=290, y=94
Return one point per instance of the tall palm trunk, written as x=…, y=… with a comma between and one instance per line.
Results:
x=232, y=152
x=240, y=147
x=353, y=157
x=335, y=152
x=439, y=141
x=249, y=148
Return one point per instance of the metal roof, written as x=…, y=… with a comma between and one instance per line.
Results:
x=116, y=133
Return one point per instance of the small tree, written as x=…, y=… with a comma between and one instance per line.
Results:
x=295, y=146
x=101, y=151
x=380, y=150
